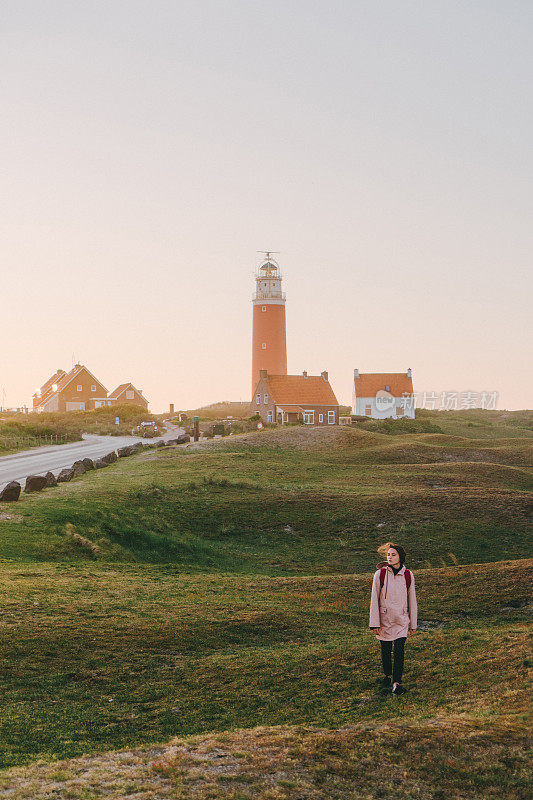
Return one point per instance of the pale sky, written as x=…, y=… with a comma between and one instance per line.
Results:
x=149, y=149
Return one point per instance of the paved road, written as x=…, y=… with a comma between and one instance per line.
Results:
x=54, y=458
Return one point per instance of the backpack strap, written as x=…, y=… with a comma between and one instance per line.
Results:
x=382, y=572
x=407, y=576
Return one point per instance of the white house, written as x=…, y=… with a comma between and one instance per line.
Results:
x=381, y=395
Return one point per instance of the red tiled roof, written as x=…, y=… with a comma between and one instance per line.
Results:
x=118, y=391
x=299, y=390
x=122, y=388
x=66, y=379
x=55, y=378
x=369, y=383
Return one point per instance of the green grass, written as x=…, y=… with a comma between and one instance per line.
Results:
x=97, y=658
x=249, y=505
x=229, y=589
x=68, y=426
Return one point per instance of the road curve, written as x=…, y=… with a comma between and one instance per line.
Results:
x=54, y=458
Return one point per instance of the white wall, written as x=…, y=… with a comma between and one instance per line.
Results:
x=382, y=410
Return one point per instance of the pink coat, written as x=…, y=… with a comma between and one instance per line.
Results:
x=389, y=606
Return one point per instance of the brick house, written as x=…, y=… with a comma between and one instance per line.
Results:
x=290, y=398
x=127, y=393
x=77, y=390
x=383, y=395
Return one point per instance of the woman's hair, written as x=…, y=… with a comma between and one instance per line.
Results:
x=384, y=549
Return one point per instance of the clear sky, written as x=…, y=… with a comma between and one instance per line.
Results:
x=149, y=149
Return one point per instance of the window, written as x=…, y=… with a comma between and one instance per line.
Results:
x=266, y=399
x=309, y=417
x=93, y=388
x=129, y=395
x=387, y=388
x=264, y=308
x=269, y=416
x=399, y=411
x=264, y=346
x=321, y=417
x=368, y=411
x=258, y=399
x=79, y=387
x=331, y=418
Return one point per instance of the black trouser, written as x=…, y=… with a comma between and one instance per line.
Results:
x=386, y=658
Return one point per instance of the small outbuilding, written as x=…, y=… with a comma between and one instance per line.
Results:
x=383, y=395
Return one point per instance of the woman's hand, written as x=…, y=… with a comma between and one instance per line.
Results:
x=377, y=631
x=412, y=632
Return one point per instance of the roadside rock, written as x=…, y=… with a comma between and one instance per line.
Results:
x=65, y=475
x=136, y=448
x=123, y=452
x=79, y=468
x=50, y=479
x=100, y=463
x=11, y=492
x=88, y=463
x=160, y=443
x=35, y=483
x=110, y=458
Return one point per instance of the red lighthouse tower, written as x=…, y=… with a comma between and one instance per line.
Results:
x=269, y=345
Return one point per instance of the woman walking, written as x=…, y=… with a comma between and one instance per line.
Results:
x=393, y=612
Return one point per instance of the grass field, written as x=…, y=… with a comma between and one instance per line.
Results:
x=219, y=594
x=20, y=431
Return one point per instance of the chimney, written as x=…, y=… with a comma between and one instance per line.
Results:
x=263, y=373
x=356, y=373
x=324, y=375
x=409, y=372
x=304, y=373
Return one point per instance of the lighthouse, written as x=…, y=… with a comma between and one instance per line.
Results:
x=269, y=345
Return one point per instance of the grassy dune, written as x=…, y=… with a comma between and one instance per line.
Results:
x=97, y=659
x=219, y=594
x=289, y=502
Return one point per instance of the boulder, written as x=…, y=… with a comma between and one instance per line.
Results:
x=183, y=438
x=11, y=492
x=35, y=483
x=100, y=463
x=110, y=457
x=160, y=443
x=122, y=452
x=136, y=448
x=50, y=479
x=88, y=463
x=79, y=468
x=65, y=475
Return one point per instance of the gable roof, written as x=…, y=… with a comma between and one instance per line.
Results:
x=301, y=390
x=122, y=388
x=66, y=379
x=369, y=383
x=55, y=378
x=118, y=391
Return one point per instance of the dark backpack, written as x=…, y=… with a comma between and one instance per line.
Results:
x=406, y=575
